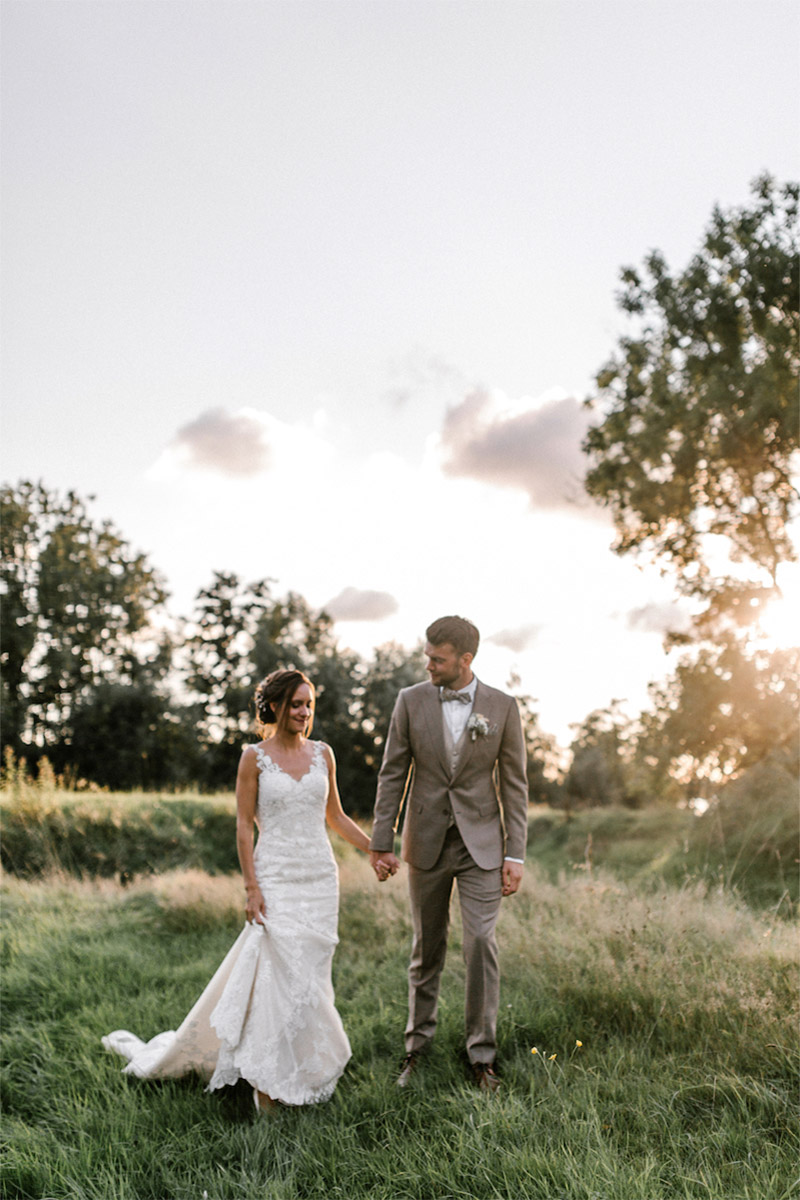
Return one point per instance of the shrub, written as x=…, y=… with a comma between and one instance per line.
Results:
x=749, y=839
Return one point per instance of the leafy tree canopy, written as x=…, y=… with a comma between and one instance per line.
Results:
x=75, y=597
x=720, y=714
x=698, y=421
x=598, y=773
x=240, y=632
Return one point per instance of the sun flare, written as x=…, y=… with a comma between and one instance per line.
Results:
x=779, y=621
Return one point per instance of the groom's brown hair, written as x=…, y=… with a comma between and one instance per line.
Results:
x=460, y=633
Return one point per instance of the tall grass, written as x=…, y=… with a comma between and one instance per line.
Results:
x=89, y=834
x=747, y=843
x=683, y=999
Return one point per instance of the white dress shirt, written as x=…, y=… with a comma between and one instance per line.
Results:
x=457, y=714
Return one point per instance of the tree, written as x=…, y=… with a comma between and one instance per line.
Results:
x=233, y=639
x=239, y=633
x=543, y=758
x=77, y=606
x=375, y=685
x=130, y=736
x=721, y=713
x=219, y=667
x=391, y=668
x=693, y=454
x=698, y=406
x=598, y=774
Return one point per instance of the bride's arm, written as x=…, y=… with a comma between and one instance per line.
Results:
x=246, y=797
x=335, y=815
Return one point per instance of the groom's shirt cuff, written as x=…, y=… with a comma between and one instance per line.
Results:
x=516, y=860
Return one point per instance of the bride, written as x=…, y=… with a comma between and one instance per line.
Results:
x=268, y=1014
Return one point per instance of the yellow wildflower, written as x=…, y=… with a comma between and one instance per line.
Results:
x=534, y=1050
x=578, y=1042
x=550, y=1059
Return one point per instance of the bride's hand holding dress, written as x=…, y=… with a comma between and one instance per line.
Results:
x=246, y=812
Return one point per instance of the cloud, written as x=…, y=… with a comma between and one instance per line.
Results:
x=658, y=618
x=517, y=639
x=536, y=449
x=233, y=444
x=423, y=375
x=353, y=604
x=252, y=447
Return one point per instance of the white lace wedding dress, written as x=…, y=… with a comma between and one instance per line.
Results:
x=268, y=1014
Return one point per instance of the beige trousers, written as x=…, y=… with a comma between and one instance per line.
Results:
x=479, y=894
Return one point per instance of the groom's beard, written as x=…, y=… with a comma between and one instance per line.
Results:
x=448, y=681
x=439, y=680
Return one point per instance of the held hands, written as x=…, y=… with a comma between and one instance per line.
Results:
x=255, y=909
x=512, y=877
x=384, y=864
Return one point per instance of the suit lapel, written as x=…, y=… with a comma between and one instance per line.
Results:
x=432, y=709
x=482, y=705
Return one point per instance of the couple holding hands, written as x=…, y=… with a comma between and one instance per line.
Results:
x=454, y=762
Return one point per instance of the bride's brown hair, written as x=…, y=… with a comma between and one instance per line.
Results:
x=274, y=693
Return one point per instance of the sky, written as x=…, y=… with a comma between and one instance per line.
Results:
x=314, y=291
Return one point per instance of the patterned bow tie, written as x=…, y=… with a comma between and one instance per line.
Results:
x=449, y=694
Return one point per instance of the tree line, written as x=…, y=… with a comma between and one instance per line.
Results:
x=692, y=445
x=97, y=679
x=100, y=681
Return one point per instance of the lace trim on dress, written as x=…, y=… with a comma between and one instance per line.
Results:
x=267, y=763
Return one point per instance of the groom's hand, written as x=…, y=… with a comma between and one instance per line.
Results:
x=512, y=877
x=384, y=864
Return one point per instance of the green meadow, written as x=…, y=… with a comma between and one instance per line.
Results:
x=648, y=1029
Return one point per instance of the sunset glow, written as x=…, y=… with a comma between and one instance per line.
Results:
x=327, y=313
x=780, y=619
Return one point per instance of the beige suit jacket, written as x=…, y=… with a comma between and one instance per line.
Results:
x=487, y=792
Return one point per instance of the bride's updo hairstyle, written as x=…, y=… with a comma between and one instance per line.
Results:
x=273, y=695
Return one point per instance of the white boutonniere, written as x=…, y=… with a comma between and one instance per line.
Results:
x=478, y=726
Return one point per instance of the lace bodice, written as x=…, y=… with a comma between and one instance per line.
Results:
x=291, y=815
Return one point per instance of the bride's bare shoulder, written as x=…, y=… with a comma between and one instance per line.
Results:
x=249, y=755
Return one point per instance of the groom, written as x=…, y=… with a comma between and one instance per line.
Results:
x=462, y=740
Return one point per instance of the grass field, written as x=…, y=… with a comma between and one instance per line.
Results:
x=748, y=843
x=682, y=998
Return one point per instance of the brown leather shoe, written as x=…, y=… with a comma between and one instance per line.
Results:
x=407, y=1068
x=486, y=1077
